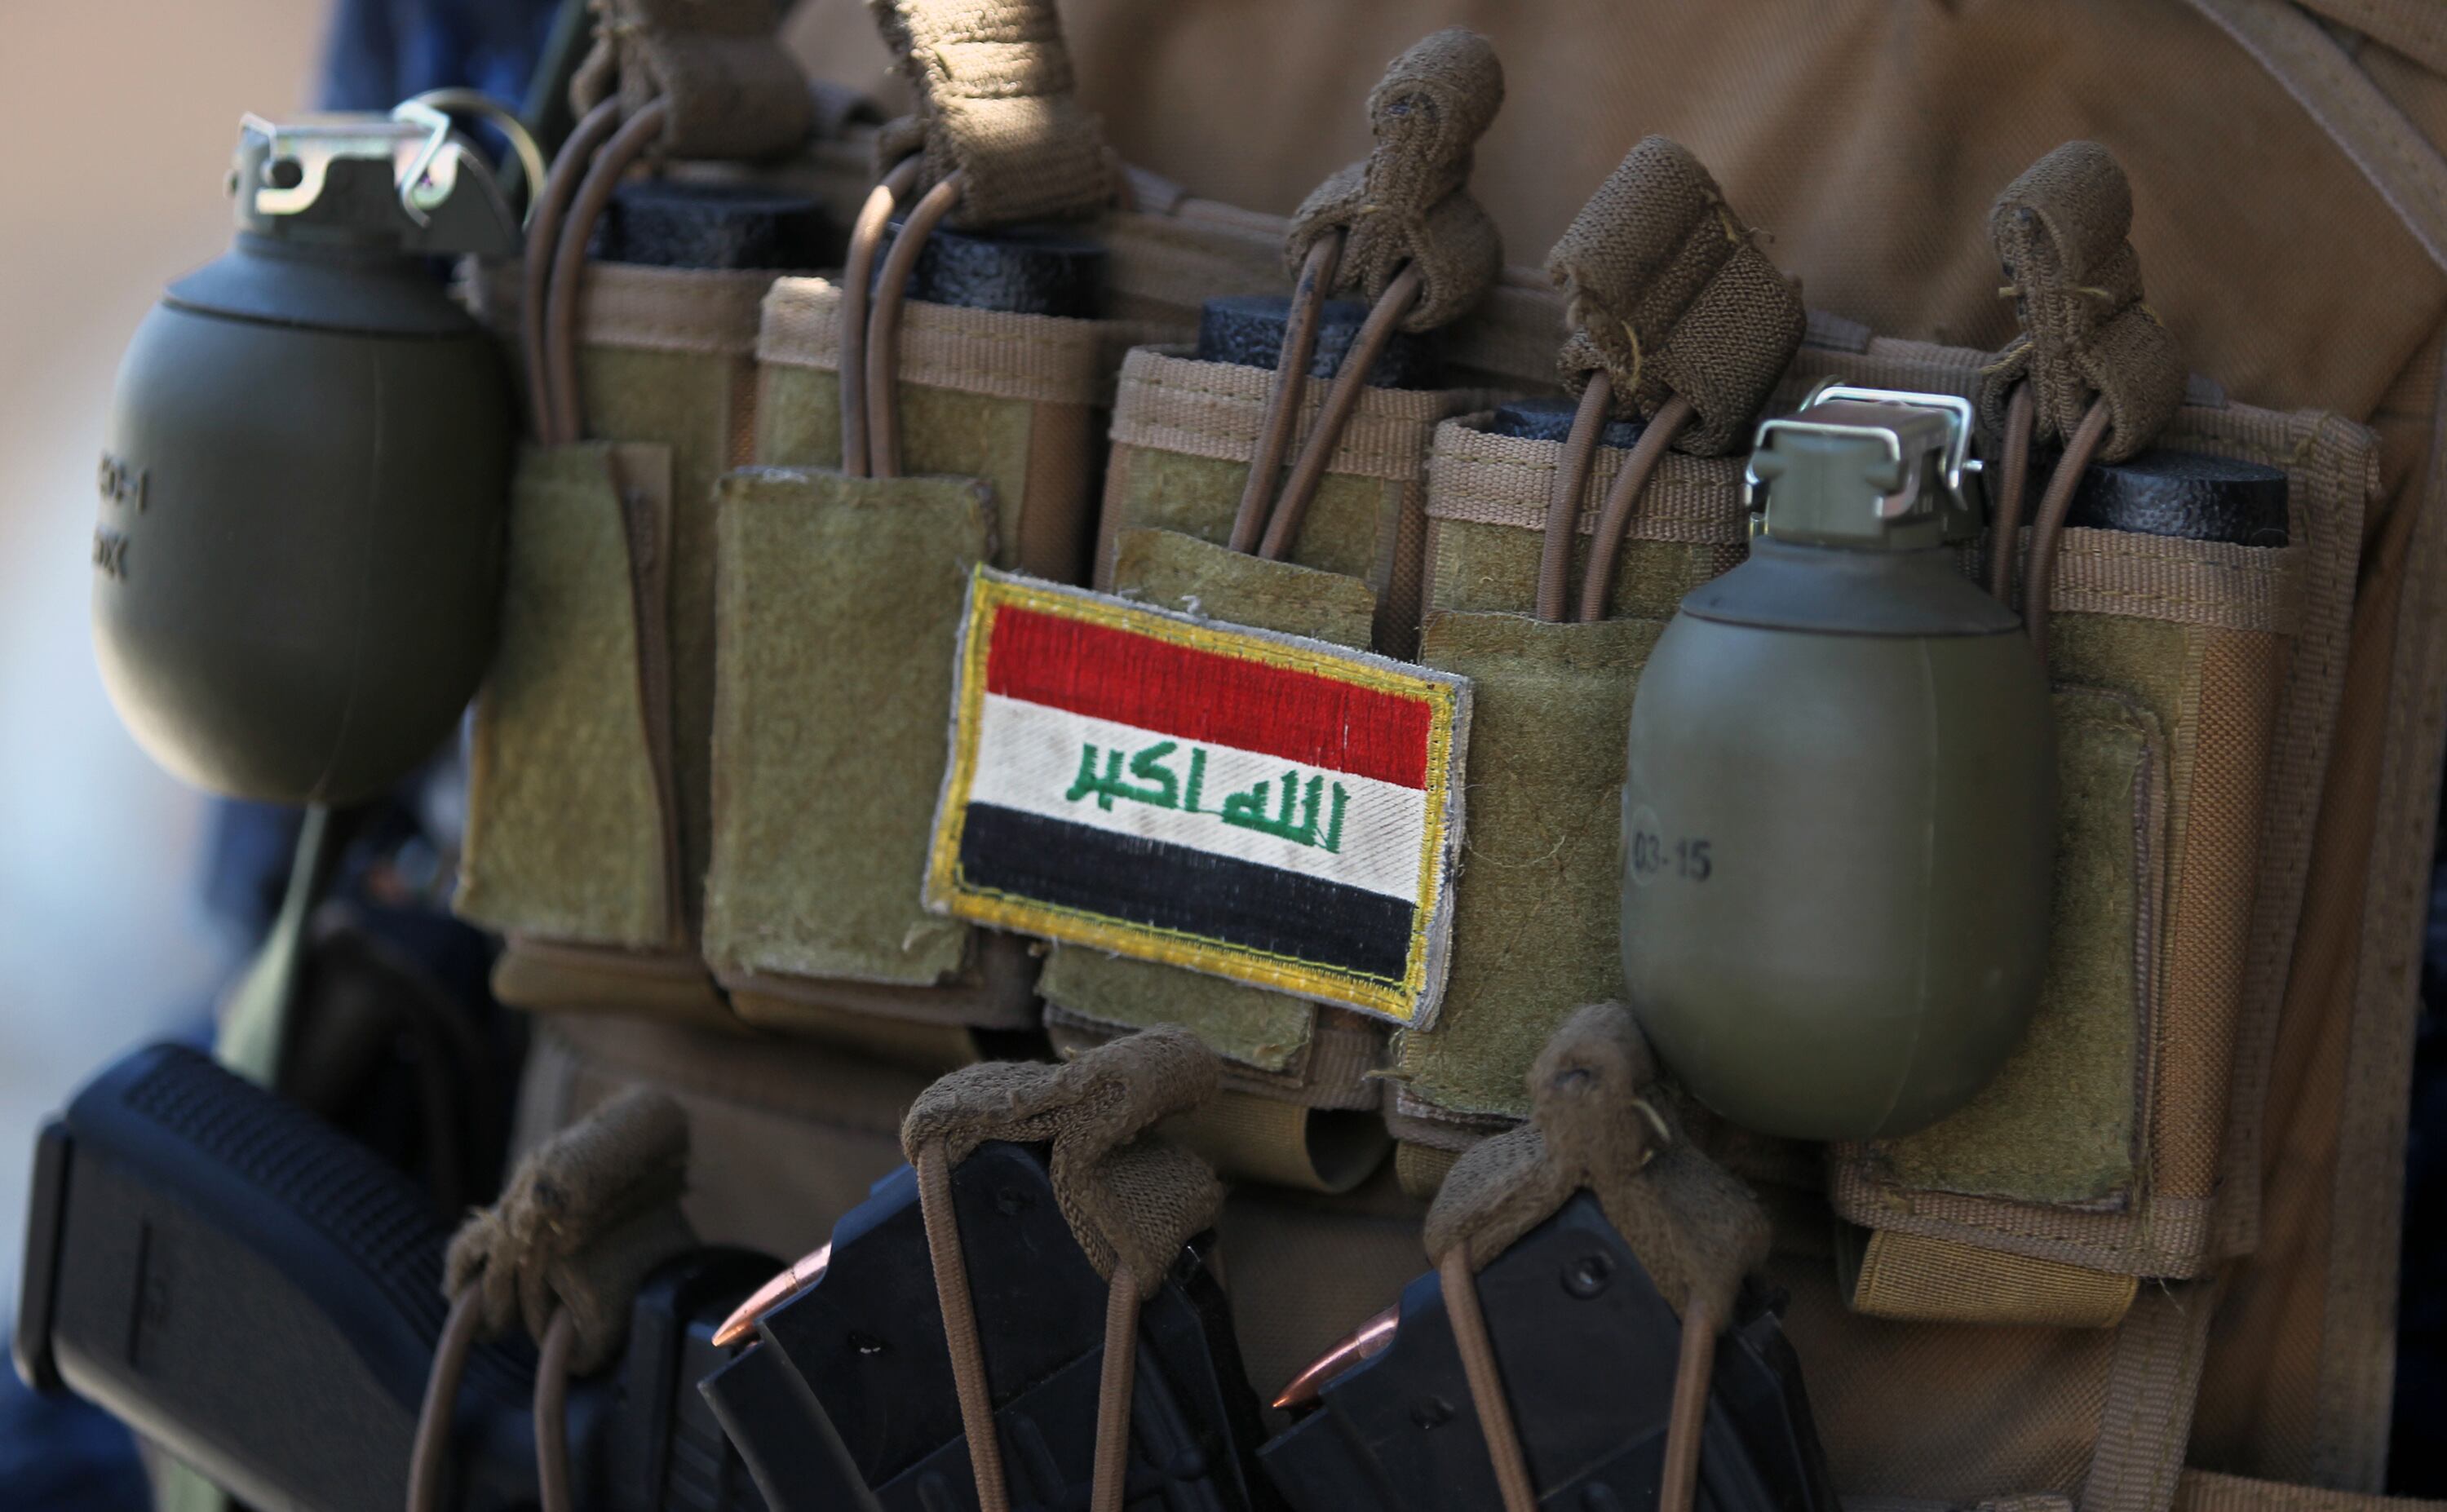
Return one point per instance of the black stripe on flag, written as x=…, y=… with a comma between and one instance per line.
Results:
x=1192, y=892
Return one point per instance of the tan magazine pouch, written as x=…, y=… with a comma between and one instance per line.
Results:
x=1300, y=1095
x=1195, y=519
x=666, y=364
x=844, y=594
x=2196, y=682
x=1014, y=400
x=838, y=608
x=2195, y=685
x=1538, y=904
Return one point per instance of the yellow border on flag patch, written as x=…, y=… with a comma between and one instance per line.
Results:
x=948, y=892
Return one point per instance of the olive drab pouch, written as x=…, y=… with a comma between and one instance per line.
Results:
x=570, y=847
x=637, y=311
x=2195, y=563
x=1517, y=522
x=930, y=411
x=1211, y=508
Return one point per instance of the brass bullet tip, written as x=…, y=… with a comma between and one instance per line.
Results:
x=804, y=1273
x=1368, y=1342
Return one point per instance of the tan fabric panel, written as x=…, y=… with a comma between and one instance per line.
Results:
x=783, y=1138
x=1171, y=402
x=1912, y=1279
x=2208, y=942
x=2304, y=1349
x=1044, y=359
x=1951, y=1411
x=1866, y=135
x=711, y=312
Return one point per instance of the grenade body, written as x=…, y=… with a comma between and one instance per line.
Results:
x=1838, y=827
x=298, y=559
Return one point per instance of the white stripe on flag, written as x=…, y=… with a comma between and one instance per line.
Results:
x=1032, y=758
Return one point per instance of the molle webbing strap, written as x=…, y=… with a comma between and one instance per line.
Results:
x=1668, y=294
x=728, y=88
x=586, y=1216
x=996, y=102
x=1407, y=203
x=1593, y=1123
x=1131, y=1202
x=2061, y=230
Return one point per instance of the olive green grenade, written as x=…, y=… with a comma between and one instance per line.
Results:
x=298, y=561
x=1840, y=809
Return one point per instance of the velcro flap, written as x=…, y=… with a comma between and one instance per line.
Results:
x=837, y=615
x=568, y=832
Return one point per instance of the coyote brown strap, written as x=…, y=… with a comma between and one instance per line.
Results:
x=996, y=102
x=1696, y=1229
x=730, y=89
x=1130, y=1201
x=587, y=1215
x=2075, y=282
x=1668, y=294
x=1408, y=203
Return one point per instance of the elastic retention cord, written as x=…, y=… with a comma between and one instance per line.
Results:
x=428, y=1462
x=2039, y=573
x=552, y=1413
x=1485, y=1382
x=1114, y=1389
x=636, y=138
x=1341, y=402
x=960, y=1328
x=543, y=235
x=1693, y=1374
x=1614, y=519
x=857, y=271
x=2005, y=531
x=1563, y=493
x=1282, y=417
x=883, y=324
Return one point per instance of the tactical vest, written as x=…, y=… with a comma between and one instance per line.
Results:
x=713, y=759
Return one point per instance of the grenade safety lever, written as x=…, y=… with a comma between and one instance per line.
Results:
x=1928, y=472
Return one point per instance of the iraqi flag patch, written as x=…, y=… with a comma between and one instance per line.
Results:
x=1276, y=810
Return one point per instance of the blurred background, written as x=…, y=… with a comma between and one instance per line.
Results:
x=123, y=114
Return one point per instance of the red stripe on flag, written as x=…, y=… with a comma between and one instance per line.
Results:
x=1203, y=695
